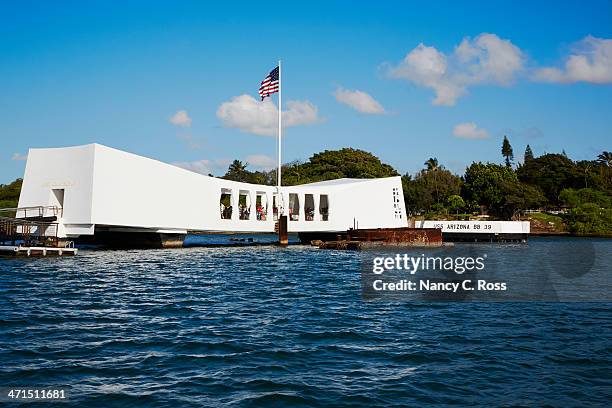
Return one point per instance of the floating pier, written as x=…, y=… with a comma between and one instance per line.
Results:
x=36, y=251
x=32, y=231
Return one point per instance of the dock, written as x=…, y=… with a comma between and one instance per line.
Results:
x=36, y=251
x=32, y=231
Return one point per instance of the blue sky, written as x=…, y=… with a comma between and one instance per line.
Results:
x=80, y=72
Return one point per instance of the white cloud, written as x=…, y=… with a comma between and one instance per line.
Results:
x=205, y=166
x=486, y=59
x=260, y=161
x=589, y=61
x=469, y=130
x=300, y=113
x=19, y=157
x=359, y=100
x=261, y=118
x=428, y=67
x=489, y=59
x=181, y=118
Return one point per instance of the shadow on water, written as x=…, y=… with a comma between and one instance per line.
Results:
x=236, y=240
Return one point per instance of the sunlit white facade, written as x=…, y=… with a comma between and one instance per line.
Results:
x=100, y=186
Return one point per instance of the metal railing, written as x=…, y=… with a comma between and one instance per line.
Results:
x=39, y=211
x=30, y=226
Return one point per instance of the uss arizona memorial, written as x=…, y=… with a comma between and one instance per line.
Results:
x=103, y=195
x=103, y=190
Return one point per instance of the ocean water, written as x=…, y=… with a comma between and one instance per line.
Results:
x=269, y=326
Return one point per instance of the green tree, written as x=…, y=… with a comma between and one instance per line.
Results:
x=576, y=197
x=517, y=197
x=482, y=184
x=432, y=164
x=528, y=154
x=430, y=189
x=589, y=218
x=585, y=167
x=333, y=164
x=327, y=165
x=551, y=173
x=9, y=194
x=604, y=160
x=455, y=203
x=411, y=195
x=237, y=172
x=590, y=211
x=507, y=151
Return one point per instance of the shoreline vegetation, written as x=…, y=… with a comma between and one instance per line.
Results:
x=558, y=195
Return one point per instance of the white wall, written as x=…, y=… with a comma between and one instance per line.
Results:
x=68, y=168
x=367, y=203
x=135, y=191
x=479, y=227
x=105, y=186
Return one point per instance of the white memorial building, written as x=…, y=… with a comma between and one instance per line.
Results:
x=100, y=188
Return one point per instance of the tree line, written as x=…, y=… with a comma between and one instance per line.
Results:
x=9, y=194
x=583, y=188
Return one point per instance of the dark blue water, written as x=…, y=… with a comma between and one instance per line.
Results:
x=266, y=326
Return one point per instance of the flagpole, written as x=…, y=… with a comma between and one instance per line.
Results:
x=280, y=128
x=281, y=206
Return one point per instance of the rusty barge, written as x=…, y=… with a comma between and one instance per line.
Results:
x=356, y=239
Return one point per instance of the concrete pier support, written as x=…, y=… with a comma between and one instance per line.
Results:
x=172, y=240
x=283, y=236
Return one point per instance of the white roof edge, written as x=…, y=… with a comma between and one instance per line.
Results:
x=333, y=182
x=345, y=181
x=66, y=147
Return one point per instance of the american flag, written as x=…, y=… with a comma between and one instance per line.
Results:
x=270, y=84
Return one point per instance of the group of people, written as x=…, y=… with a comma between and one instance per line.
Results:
x=308, y=214
x=226, y=212
x=244, y=212
x=261, y=213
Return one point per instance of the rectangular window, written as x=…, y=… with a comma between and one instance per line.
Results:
x=275, y=207
x=244, y=205
x=294, y=207
x=309, y=212
x=225, y=204
x=324, y=207
x=261, y=206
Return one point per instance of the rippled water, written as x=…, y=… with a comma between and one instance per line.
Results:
x=268, y=326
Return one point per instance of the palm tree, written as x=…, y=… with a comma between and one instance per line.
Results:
x=237, y=171
x=605, y=158
x=432, y=164
x=237, y=166
x=587, y=169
